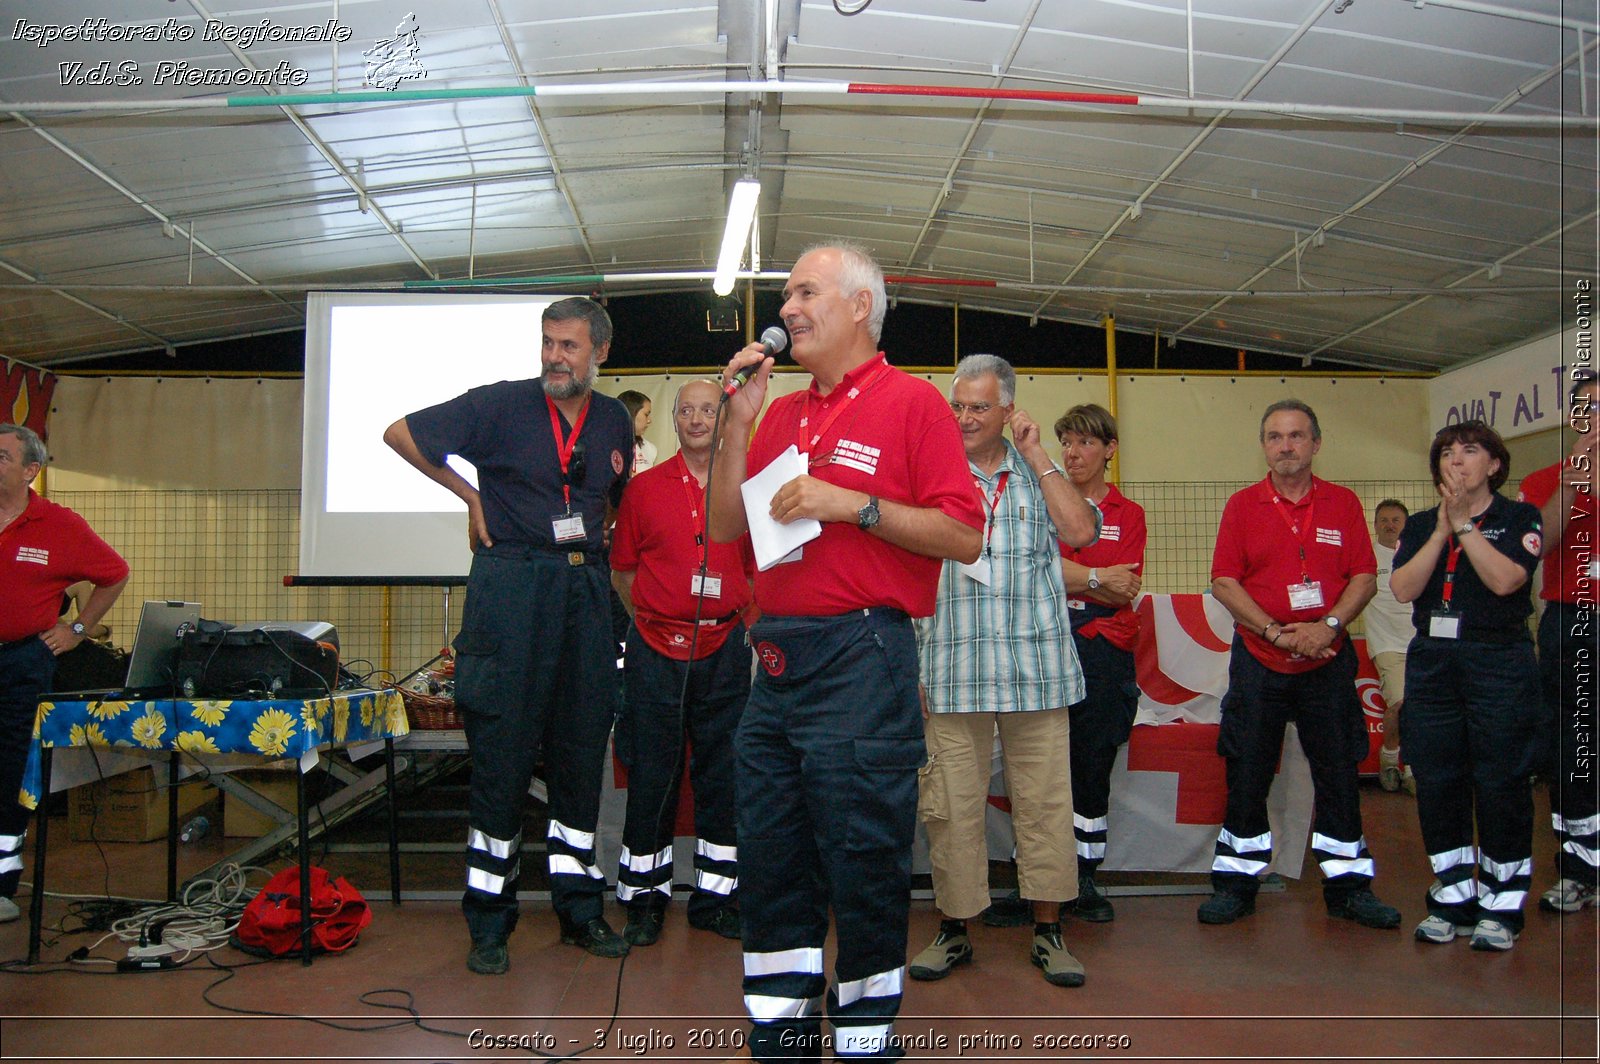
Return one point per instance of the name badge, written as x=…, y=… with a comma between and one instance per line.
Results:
x=1442, y=624
x=978, y=570
x=711, y=586
x=568, y=528
x=1306, y=596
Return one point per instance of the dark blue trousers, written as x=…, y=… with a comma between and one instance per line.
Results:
x=827, y=757
x=1469, y=730
x=653, y=731
x=1326, y=712
x=26, y=668
x=1568, y=653
x=1100, y=724
x=536, y=672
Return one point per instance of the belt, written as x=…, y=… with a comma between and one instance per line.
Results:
x=528, y=551
x=15, y=643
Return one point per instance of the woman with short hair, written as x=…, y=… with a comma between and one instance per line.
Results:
x=1472, y=687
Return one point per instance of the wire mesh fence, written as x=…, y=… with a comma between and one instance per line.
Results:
x=229, y=551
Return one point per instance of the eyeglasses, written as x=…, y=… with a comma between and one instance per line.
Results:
x=577, y=466
x=976, y=409
x=707, y=411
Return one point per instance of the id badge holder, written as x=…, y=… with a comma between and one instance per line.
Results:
x=568, y=528
x=711, y=586
x=978, y=570
x=1443, y=624
x=1306, y=596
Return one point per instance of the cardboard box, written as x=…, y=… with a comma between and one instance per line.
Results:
x=274, y=784
x=131, y=807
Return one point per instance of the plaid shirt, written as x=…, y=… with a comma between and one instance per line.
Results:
x=1007, y=647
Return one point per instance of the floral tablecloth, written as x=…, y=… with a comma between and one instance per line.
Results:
x=272, y=728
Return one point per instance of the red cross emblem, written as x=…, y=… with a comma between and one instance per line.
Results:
x=771, y=659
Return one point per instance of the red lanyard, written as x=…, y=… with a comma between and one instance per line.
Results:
x=565, y=446
x=694, y=504
x=1450, y=566
x=1296, y=531
x=994, y=504
x=804, y=445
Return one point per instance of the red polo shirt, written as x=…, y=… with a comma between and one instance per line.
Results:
x=42, y=553
x=662, y=516
x=1258, y=546
x=1568, y=572
x=896, y=440
x=1121, y=542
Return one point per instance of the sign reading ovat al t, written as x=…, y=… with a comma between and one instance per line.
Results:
x=1516, y=393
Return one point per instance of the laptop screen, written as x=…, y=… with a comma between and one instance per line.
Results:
x=154, y=657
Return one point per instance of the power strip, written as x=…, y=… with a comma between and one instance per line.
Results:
x=154, y=949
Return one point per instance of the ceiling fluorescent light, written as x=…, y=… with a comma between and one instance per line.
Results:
x=741, y=215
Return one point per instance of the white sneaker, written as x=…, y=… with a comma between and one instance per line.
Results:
x=1492, y=935
x=1567, y=896
x=1389, y=768
x=8, y=910
x=1435, y=929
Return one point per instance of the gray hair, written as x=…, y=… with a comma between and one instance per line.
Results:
x=859, y=272
x=581, y=308
x=1295, y=405
x=974, y=366
x=33, y=452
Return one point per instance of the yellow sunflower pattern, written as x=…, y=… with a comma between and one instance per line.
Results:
x=341, y=720
x=107, y=710
x=211, y=714
x=87, y=735
x=197, y=742
x=148, y=730
x=272, y=732
x=314, y=714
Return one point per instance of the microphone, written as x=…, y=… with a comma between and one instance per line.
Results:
x=773, y=340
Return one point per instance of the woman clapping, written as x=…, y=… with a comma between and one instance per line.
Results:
x=1472, y=694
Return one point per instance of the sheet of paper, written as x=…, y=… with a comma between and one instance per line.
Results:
x=774, y=542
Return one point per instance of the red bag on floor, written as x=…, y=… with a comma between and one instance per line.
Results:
x=271, y=922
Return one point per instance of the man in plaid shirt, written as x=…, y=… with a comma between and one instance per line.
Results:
x=997, y=653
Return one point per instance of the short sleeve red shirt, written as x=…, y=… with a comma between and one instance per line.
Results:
x=1121, y=542
x=1259, y=544
x=42, y=553
x=1566, y=569
x=897, y=440
x=657, y=537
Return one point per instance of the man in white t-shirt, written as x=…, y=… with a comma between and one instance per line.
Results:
x=1389, y=632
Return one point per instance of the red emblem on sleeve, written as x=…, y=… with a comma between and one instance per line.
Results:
x=771, y=659
x=616, y=462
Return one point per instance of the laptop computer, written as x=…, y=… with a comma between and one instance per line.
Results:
x=154, y=656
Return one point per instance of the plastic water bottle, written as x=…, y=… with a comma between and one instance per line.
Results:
x=194, y=830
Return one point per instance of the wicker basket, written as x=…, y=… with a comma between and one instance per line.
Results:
x=429, y=712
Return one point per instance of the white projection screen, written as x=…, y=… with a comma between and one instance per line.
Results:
x=372, y=358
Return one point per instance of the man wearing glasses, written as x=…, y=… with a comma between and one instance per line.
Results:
x=535, y=657
x=998, y=653
x=687, y=597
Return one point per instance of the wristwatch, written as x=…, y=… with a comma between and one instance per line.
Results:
x=1333, y=622
x=1464, y=529
x=78, y=628
x=868, y=515
x=1094, y=579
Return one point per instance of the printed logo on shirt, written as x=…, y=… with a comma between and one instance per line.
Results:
x=857, y=456
x=1331, y=536
x=1111, y=533
x=37, y=555
x=771, y=659
x=1531, y=543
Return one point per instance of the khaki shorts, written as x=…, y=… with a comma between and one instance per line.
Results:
x=1391, y=666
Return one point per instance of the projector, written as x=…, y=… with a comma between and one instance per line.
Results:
x=316, y=631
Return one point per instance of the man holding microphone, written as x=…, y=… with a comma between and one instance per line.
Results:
x=827, y=753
